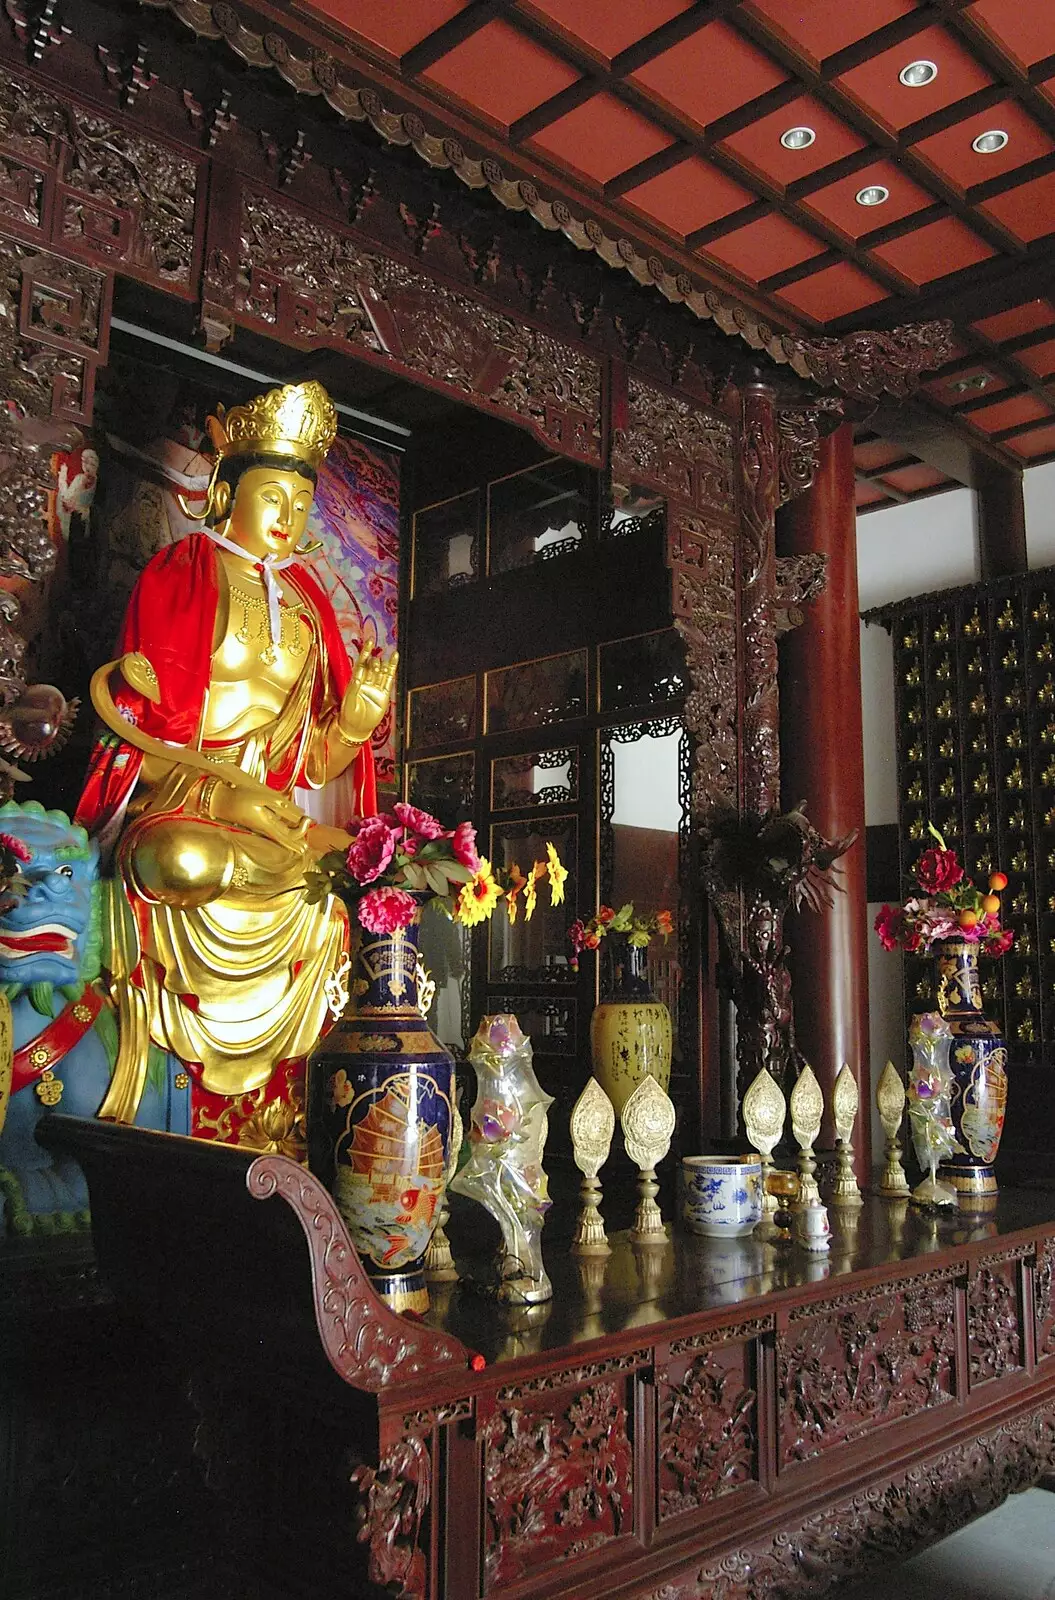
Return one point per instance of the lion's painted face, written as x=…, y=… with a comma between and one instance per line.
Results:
x=42, y=938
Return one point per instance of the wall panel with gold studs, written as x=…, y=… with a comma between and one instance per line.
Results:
x=975, y=705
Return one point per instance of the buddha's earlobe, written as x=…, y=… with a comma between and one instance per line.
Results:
x=220, y=505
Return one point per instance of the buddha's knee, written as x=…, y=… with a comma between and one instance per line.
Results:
x=181, y=862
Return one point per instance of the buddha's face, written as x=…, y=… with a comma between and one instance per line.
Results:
x=270, y=511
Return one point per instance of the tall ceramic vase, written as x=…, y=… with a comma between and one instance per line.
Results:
x=630, y=1032
x=380, y=1116
x=978, y=1059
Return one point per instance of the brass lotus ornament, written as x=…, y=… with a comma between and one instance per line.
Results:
x=592, y=1127
x=846, y=1100
x=807, y=1109
x=648, y=1126
x=890, y=1101
x=765, y=1110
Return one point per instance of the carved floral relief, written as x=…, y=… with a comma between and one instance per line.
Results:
x=707, y=1431
x=557, y=1483
x=1044, y=1299
x=994, y=1334
x=845, y=1366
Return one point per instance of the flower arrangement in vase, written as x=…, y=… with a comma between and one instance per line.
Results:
x=945, y=915
x=381, y=1104
x=630, y=1031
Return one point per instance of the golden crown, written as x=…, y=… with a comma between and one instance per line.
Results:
x=297, y=420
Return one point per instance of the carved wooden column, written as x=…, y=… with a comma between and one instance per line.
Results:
x=823, y=763
x=764, y=1016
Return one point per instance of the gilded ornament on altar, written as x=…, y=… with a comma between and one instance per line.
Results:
x=592, y=1126
x=807, y=1109
x=846, y=1101
x=764, y=1111
x=648, y=1121
x=439, y=1260
x=890, y=1102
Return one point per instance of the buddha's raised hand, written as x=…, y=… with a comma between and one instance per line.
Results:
x=368, y=694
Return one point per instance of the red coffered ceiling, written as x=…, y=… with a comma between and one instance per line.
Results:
x=664, y=118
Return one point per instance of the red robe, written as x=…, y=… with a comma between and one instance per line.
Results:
x=171, y=619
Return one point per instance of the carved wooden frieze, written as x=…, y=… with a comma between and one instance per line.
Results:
x=557, y=1483
x=708, y=1429
x=1044, y=1299
x=849, y=1365
x=668, y=443
x=53, y=331
x=881, y=1524
x=702, y=557
x=95, y=188
x=799, y=451
x=311, y=284
x=994, y=1330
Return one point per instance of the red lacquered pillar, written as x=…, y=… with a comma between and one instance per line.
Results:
x=822, y=762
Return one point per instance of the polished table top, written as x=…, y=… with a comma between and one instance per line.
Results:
x=640, y=1286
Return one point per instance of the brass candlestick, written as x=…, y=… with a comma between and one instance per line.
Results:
x=439, y=1262
x=845, y=1102
x=648, y=1124
x=890, y=1099
x=807, y=1109
x=764, y=1110
x=592, y=1126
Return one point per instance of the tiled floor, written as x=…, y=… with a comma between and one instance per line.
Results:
x=1007, y=1555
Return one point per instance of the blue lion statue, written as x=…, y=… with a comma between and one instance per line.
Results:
x=64, y=1027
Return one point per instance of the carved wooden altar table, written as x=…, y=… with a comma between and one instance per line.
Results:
x=683, y=1422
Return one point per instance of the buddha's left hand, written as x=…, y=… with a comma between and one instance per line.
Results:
x=368, y=694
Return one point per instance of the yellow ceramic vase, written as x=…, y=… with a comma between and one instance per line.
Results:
x=630, y=1037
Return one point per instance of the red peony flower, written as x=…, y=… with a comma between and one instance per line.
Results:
x=371, y=850
x=890, y=926
x=938, y=871
x=385, y=910
x=998, y=944
x=420, y=822
x=605, y=913
x=463, y=843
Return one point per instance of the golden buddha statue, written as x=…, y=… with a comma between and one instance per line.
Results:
x=231, y=690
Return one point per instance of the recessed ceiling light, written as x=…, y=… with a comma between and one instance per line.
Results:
x=989, y=143
x=918, y=74
x=797, y=138
x=981, y=380
x=874, y=195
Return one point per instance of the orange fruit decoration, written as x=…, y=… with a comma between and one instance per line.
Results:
x=991, y=904
x=968, y=919
x=998, y=880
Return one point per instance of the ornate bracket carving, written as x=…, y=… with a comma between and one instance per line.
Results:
x=394, y=1499
x=368, y=1345
x=800, y=579
x=870, y=364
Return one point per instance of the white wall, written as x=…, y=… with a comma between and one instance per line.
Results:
x=1038, y=491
